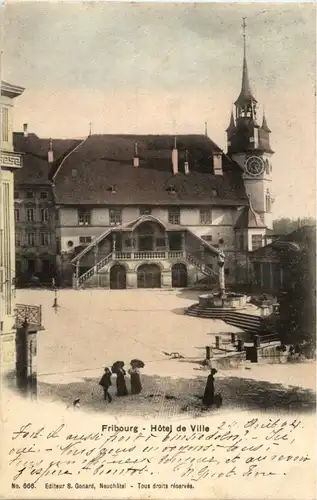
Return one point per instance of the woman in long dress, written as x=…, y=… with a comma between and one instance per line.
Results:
x=209, y=395
x=121, y=385
x=136, y=386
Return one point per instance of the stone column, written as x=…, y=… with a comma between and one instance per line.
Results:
x=166, y=279
x=183, y=242
x=132, y=281
x=77, y=274
x=114, y=237
x=221, y=266
x=166, y=242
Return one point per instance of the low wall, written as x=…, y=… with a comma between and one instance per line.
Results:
x=232, y=360
x=271, y=354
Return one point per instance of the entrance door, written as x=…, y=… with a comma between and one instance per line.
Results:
x=118, y=278
x=31, y=267
x=149, y=276
x=179, y=276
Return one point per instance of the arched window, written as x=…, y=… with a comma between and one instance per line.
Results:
x=268, y=201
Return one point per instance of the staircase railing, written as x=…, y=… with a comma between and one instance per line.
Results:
x=200, y=265
x=93, y=270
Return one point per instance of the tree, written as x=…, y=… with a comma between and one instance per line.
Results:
x=285, y=225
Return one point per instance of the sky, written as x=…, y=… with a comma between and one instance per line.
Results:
x=169, y=68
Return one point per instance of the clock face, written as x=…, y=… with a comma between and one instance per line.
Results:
x=254, y=166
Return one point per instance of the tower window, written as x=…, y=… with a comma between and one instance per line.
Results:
x=267, y=167
x=256, y=241
x=29, y=194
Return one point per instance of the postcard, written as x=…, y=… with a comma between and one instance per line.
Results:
x=157, y=250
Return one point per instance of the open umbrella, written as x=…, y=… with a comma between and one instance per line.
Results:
x=137, y=363
x=117, y=365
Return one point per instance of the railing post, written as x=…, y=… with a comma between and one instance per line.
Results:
x=77, y=275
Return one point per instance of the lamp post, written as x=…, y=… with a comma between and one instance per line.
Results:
x=55, y=303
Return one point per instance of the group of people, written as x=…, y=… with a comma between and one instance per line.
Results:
x=122, y=390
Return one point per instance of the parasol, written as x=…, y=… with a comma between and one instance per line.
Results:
x=137, y=363
x=117, y=365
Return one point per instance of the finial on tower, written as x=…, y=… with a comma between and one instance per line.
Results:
x=264, y=124
x=244, y=29
x=90, y=125
x=206, y=129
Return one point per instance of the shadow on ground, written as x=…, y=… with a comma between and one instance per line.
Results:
x=185, y=293
x=167, y=396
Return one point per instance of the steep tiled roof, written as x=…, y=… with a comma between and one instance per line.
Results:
x=35, y=165
x=87, y=175
x=249, y=219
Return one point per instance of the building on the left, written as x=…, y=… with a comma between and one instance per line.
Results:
x=12, y=315
x=9, y=162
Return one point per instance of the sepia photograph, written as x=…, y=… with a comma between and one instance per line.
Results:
x=157, y=250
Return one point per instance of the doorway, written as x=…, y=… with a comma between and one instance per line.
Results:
x=179, y=276
x=149, y=276
x=118, y=277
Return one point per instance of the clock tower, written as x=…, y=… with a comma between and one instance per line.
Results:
x=249, y=146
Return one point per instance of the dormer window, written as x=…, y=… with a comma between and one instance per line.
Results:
x=112, y=189
x=74, y=173
x=171, y=189
x=214, y=192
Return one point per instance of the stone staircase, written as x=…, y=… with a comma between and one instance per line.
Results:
x=94, y=270
x=248, y=322
x=117, y=256
x=200, y=265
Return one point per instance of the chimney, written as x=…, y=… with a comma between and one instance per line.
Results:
x=136, y=161
x=25, y=130
x=217, y=158
x=186, y=164
x=175, y=158
x=50, y=154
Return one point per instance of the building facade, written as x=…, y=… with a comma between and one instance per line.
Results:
x=34, y=208
x=10, y=163
x=157, y=210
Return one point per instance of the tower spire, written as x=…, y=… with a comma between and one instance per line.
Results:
x=246, y=94
x=264, y=124
x=232, y=125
